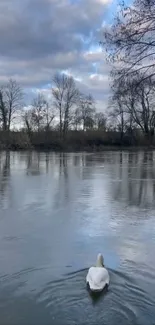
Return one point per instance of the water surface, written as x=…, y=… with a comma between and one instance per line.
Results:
x=57, y=211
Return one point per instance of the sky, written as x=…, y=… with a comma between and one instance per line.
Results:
x=41, y=37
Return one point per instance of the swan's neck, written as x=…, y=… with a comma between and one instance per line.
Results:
x=100, y=261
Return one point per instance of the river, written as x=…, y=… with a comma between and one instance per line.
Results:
x=57, y=211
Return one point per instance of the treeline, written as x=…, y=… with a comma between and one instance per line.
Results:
x=68, y=109
x=69, y=120
x=62, y=122
x=130, y=44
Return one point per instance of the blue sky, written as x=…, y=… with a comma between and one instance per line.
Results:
x=40, y=37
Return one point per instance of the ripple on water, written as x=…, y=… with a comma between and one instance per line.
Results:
x=68, y=300
x=56, y=219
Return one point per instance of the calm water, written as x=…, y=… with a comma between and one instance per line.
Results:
x=57, y=211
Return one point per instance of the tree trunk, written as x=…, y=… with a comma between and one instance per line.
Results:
x=3, y=112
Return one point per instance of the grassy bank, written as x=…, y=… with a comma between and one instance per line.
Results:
x=74, y=141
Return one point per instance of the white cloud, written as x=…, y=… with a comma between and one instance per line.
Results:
x=39, y=37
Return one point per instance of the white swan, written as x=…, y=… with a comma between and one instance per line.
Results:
x=98, y=277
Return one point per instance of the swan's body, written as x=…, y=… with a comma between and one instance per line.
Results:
x=98, y=277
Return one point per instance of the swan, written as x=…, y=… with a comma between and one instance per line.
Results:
x=98, y=277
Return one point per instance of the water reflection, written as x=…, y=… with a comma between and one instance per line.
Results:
x=57, y=211
x=134, y=179
x=132, y=174
x=4, y=177
x=33, y=163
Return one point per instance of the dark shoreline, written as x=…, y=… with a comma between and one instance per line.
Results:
x=87, y=150
x=74, y=141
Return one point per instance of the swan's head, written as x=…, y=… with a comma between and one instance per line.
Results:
x=100, y=260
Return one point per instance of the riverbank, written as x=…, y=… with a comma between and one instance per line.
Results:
x=74, y=141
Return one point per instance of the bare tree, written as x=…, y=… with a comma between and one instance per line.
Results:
x=58, y=92
x=134, y=103
x=28, y=122
x=87, y=107
x=76, y=122
x=71, y=99
x=65, y=95
x=40, y=116
x=143, y=110
x=118, y=117
x=130, y=41
x=3, y=112
x=11, y=96
x=38, y=111
x=100, y=121
x=49, y=115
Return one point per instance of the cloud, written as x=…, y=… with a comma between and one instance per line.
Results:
x=39, y=37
